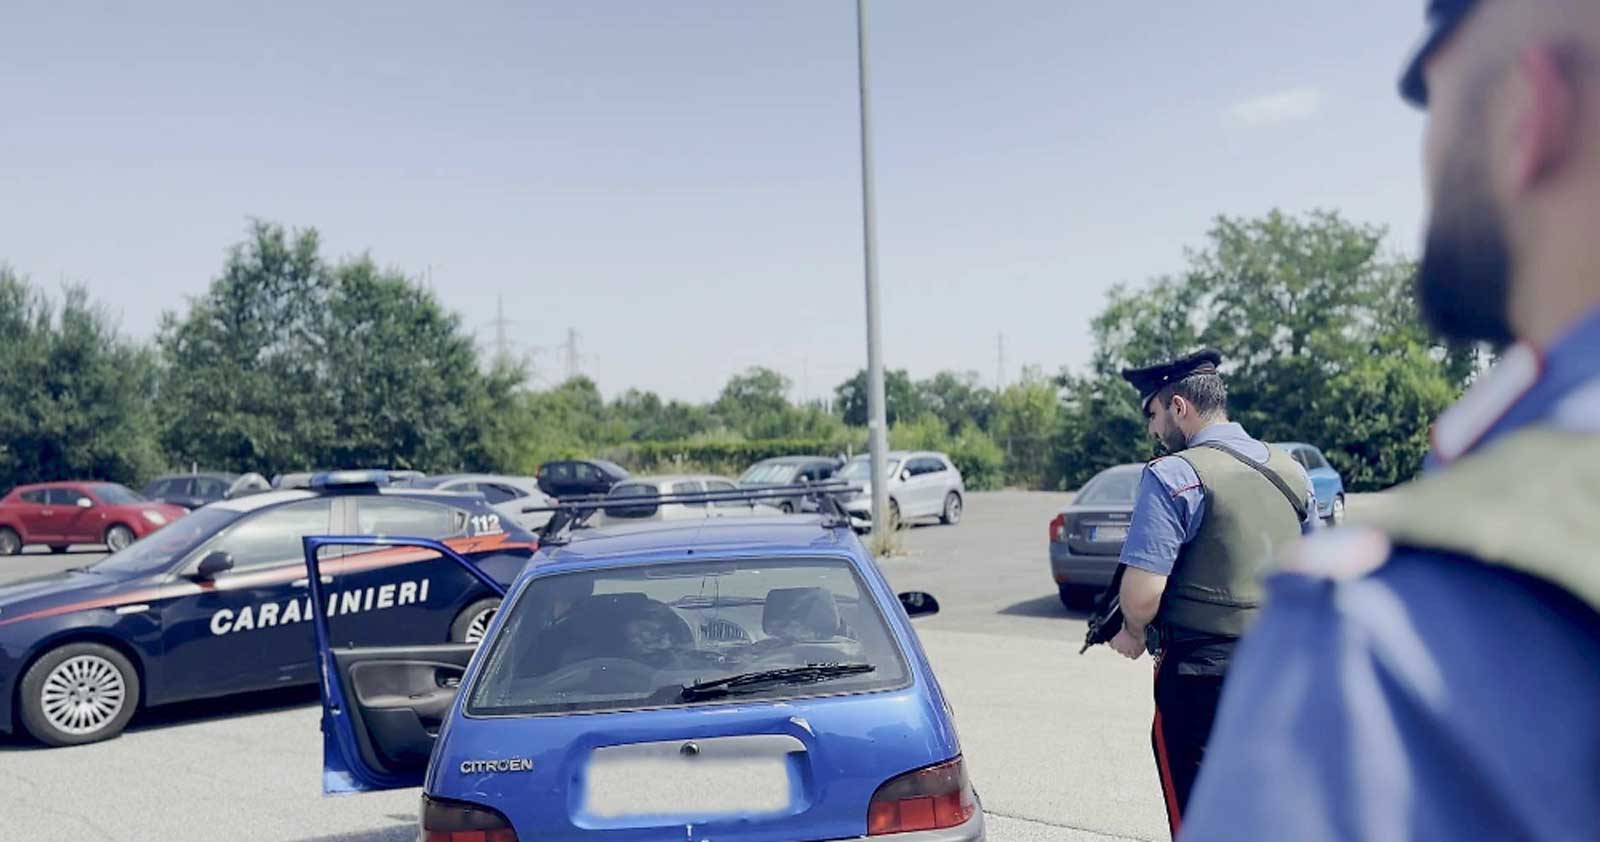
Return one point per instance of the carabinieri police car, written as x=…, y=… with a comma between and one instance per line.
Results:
x=741, y=679
x=219, y=602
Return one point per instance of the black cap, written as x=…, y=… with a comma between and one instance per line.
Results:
x=1153, y=379
x=1443, y=15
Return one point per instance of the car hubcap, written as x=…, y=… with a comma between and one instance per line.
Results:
x=955, y=509
x=8, y=544
x=83, y=695
x=1338, y=511
x=118, y=540
x=479, y=625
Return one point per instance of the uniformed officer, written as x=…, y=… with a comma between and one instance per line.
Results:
x=1204, y=526
x=1435, y=674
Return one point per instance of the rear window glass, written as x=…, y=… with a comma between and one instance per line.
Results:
x=637, y=637
x=1111, y=489
x=632, y=491
x=116, y=495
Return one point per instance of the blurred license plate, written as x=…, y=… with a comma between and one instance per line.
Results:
x=717, y=777
x=1106, y=534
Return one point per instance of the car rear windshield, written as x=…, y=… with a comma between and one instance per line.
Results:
x=632, y=638
x=648, y=510
x=1113, y=488
x=776, y=473
x=117, y=495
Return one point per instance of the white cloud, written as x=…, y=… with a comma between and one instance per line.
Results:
x=1281, y=107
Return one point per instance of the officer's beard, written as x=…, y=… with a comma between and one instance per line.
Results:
x=1463, y=283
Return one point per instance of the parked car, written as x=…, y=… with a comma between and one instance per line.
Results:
x=1086, y=538
x=217, y=603
x=192, y=491
x=508, y=495
x=61, y=514
x=922, y=484
x=790, y=470
x=579, y=477
x=753, y=679
x=635, y=487
x=1325, y=481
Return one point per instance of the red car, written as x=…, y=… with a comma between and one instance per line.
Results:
x=65, y=513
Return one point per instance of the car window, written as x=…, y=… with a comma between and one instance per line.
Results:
x=116, y=495
x=1314, y=459
x=933, y=465
x=272, y=536
x=65, y=497
x=715, y=486
x=209, y=488
x=631, y=490
x=679, y=624
x=410, y=518
x=860, y=469
x=690, y=487
x=1300, y=456
x=559, y=471
x=495, y=494
x=589, y=473
x=37, y=497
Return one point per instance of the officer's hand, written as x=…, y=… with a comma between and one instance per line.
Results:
x=1127, y=645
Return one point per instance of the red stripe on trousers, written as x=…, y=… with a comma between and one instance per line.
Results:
x=1167, y=787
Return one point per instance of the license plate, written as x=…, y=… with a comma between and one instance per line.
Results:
x=1107, y=534
x=716, y=777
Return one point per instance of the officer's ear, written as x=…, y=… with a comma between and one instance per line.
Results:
x=1544, y=114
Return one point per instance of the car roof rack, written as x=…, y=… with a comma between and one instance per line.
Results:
x=568, y=515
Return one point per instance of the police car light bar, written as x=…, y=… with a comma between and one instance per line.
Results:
x=337, y=480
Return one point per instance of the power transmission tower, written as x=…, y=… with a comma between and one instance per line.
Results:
x=502, y=348
x=570, y=352
x=1000, y=363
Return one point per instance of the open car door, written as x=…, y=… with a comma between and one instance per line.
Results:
x=382, y=707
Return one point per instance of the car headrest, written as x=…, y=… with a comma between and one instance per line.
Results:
x=812, y=609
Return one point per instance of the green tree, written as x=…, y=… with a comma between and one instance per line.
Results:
x=76, y=399
x=1026, y=417
x=957, y=399
x=900, y=398
x=1320, y=338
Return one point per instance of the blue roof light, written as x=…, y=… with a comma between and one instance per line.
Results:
x=336, y=480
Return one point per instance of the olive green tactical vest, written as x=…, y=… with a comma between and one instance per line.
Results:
x=1530, y=502
x=1215, y=586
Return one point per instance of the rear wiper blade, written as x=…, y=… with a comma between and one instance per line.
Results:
x=748, y=682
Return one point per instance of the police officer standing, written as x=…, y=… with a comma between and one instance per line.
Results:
x=1205, y=524
x=1434, y=672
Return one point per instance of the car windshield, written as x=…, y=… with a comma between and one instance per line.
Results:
x=636, y=637
x=860, y=468
x=117, y=495
x=166, y=544
x=1112, y=488
x=770, y=473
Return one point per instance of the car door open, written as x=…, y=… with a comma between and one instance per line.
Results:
x=382, y=706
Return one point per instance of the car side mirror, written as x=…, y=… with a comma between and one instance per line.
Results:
x=919, y=604
x=85, y=503
x=905, y=475
x=215, y=563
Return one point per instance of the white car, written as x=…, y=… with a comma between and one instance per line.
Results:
x=676, y=484
x=507, y=495
x=922, y=484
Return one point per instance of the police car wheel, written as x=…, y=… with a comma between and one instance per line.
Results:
x=786, y=507
x=952, y=509
x=894, y=514
x=10, y=542
x=79, y=693
x=118, y=538
x=472, y=623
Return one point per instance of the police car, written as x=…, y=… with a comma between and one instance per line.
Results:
x=219, y=602
x=748, y=679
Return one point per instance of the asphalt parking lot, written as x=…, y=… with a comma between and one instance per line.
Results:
x=1058, y=743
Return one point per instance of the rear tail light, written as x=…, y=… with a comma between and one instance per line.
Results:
x=1058, y=529
x=458, y=821
x=934, y=798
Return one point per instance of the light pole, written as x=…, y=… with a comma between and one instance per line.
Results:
x=877, y=437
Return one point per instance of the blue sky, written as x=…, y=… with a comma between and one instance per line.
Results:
x=678, y=181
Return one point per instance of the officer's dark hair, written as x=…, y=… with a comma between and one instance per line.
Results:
x=1205, y=392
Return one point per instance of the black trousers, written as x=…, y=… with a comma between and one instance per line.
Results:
x=1186, y=707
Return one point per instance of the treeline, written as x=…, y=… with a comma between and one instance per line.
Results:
x=292, y=362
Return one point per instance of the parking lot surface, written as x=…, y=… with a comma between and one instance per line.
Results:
x=1058, y=743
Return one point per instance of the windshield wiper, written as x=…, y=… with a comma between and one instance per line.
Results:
x=750, y=682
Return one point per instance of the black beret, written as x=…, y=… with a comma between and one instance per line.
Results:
x=1152, y=379
x=1443, y=16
